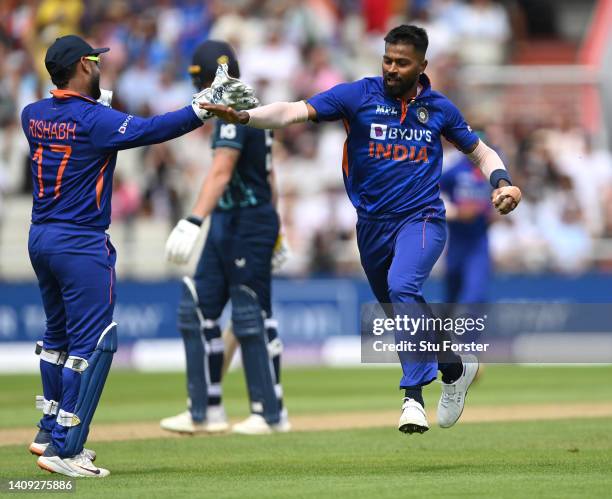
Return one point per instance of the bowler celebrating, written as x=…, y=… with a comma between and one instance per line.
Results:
x=74, y=141
x=391, y=167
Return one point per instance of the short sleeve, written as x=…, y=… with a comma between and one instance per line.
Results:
x=340, y=101
x=456, y=130
x=228, y=135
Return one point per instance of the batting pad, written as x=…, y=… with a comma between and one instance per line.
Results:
x=93, y=377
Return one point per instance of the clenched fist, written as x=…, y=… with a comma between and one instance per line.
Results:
x=506, y=198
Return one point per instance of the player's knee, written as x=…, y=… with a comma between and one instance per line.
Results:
x=52, y=356
x=247, y=315
x=106, y=344
x=403, y=291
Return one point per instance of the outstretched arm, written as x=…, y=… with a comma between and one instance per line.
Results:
x=270, y=116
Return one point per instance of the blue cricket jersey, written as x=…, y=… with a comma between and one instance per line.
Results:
x=250, y=184
x=464, y=184
x=393, y=153
x=73, y=150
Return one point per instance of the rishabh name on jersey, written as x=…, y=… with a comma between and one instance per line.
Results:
x=73, y=150
x=393, y=153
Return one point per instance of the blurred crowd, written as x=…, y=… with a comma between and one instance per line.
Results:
x=290, y=50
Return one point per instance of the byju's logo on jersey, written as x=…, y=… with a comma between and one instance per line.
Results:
x=386, y=110
x=378, y=132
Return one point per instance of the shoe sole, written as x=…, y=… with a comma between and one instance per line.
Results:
x=252, y=432
x=466, y=394
x=217, y=428
x=35, y=450
x=410, y=428
x=181, y=432
x=63, y=470
x=281, y=429
x=43, y=465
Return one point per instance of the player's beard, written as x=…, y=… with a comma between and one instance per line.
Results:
x=401, y=87
x=94, y=86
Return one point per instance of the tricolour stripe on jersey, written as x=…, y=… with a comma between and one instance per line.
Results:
x=100, y=182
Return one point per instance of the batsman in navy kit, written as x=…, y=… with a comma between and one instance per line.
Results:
x=235, y=265
x=391, y=168
x=74, y=140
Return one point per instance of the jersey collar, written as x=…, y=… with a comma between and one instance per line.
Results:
x=425, y=86
x=425, y=89
x=67, y=94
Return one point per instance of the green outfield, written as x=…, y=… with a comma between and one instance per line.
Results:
x=557, y=458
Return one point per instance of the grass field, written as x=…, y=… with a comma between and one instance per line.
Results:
x=560, y=458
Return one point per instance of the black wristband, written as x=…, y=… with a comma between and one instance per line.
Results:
x=497, y=176
x=195, y=220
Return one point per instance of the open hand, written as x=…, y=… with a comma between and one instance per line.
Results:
x=226, y=113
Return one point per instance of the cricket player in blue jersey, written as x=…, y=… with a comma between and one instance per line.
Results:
x=73, y=150
x=468, y=264
x=391, y=167
x=235, y=265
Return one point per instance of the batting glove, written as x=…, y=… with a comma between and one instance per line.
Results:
x=181, y=241
x=281, y=252
x=226, y=91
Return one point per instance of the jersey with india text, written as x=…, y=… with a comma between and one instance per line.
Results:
x=392, y=158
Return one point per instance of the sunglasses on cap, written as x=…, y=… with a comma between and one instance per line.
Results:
x=94, y=58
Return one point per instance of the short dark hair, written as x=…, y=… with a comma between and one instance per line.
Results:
x=410, y=35
x=62, y=77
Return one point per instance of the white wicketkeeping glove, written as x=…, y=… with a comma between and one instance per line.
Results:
x=181, y=241
x=281, y=252
x=227, y=91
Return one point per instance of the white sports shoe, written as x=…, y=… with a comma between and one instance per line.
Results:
x=76, y=466
x=39, y=449
x=283, y=426
x=182, y=423
x=255, y=424
x=216, y=420
x=453, y=396
x=413, y=418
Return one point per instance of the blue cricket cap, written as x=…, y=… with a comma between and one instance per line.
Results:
x=67, y=50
